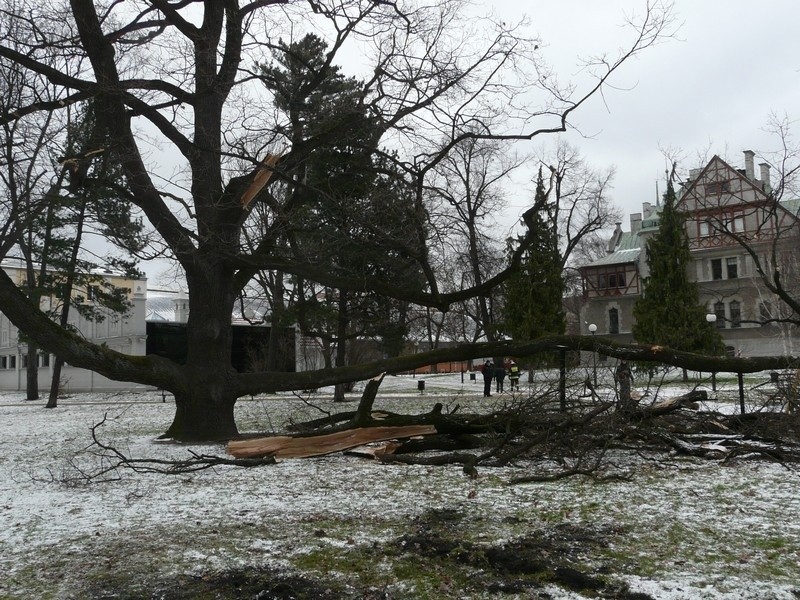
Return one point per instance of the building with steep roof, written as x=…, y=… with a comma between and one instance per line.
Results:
x=735, y=228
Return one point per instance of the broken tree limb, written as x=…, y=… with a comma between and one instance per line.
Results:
x=263, y=175
x=364, y=410
x=689, y=400
x=318, y=445
x=448, y=443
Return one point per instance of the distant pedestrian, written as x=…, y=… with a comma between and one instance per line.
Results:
x=513, y=375
x=500, y=376
x=488, y=376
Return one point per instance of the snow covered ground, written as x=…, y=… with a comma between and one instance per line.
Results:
x=681, y=529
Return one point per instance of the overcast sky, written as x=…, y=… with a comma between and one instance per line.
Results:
x=709, y=91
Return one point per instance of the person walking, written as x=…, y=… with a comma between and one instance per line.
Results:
x=513, y=375
x=500, y=376
x=488, y=376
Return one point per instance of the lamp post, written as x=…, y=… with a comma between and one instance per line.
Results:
x=592, y=329
x=711, y=318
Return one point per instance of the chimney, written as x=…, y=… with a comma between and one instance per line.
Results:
x=614, y=241
x=636, y=222
x=181, y=307
x=765, y=183
x=749, y=170
x=647, y=209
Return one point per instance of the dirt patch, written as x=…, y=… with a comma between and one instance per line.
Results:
x=256, y=584
x=554, y=556
x=437, y=557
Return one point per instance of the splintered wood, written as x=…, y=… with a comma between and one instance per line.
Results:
x=263, y=175
x=304, y=447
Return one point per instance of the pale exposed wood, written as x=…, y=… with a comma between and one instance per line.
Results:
x=261, y=179
x=374, y=451
x=689, y=400
x=303, y=447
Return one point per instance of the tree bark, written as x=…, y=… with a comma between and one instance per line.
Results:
x=205, y=401
x=203, y=416
x=55, y=383
x=343, y=321
x=32, y=373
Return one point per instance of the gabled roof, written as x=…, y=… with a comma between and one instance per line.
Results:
x=715, y=163
x=626, y=251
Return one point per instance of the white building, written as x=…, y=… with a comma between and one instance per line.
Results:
x=122, y=333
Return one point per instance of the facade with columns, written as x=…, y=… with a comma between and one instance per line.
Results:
x=123, y=333
x=735, y=227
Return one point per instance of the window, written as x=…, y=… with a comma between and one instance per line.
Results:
x=719, y=310
x=12, y=361
x=3, y=362
x=613, y=321
x=736, y=313
x=44, y=360
x=735, y=223
x=24, y=361
x=732, y=267
x=91, y=292
x=610, y=280
x=717, y=187
x=705, y=229
x=716, y=269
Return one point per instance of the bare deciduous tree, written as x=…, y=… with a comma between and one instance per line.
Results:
x=184, y=73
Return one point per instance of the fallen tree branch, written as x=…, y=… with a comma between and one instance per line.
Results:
x=317, y=445
x=112, y=461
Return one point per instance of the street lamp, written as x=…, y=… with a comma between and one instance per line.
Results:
x=711, y=318
x=592, y=329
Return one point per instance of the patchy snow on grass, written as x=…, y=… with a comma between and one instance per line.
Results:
x=678, y=529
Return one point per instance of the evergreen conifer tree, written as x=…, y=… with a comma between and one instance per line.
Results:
x=534, y=295
x=669, y=312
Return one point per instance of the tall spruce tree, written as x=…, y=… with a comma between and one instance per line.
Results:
x=669, y=312
x=350, y=210
x=534, y=295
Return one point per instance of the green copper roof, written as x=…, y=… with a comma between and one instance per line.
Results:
x=793, y=205
x=627, y=251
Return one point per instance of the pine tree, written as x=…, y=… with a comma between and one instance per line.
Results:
x=669, y=312
x=534, y=295
x=352, y=212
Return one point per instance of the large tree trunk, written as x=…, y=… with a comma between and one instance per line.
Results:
x=203, y=415
x=205, y=401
